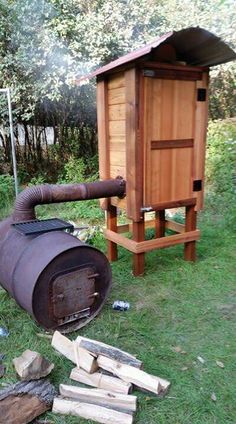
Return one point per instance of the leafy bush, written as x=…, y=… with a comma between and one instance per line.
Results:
x=222, y=94
x=221, y=157
x=221, y=171
x=37, y=180
x=74, y=171
x=78, y=170
x=6, y=190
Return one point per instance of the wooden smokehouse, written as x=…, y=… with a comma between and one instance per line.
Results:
x=152, y=107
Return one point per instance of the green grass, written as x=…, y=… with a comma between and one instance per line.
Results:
x=176, y=303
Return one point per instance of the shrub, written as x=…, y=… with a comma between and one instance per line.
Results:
x=78, y=171
x=221, y=158
x=74, y=171
x=7, y=193
x=6, y=190
x=40, y=179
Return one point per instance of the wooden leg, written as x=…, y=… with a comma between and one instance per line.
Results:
x=112, y=225
x=190, y=225
x=138, y=258
x=160, y=224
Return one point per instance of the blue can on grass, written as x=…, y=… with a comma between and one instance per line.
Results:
x=121, y=305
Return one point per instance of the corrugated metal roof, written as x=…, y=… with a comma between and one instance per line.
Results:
x=195, y=46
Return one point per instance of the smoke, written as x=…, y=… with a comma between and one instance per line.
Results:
x=41, y=43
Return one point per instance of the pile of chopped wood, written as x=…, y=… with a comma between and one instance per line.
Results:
x=112, y=371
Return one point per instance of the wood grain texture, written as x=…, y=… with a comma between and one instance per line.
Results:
x=121, y=240
x=161, y=65
x=118, y=203
x=20, y=403
x=103, y=135
x=168, y=241
x=116, y=96
x=117, y=128
x=71, y=351
x=171, y=144
x=116, y=81
x=132, y=375
x=173, y=74
x=64, y=346
x=148, y=245
x=98, y=348
x=111, y=218
x=32, y=365
x=134, y=146
x=117, y=170
x=190, y=225
x=84, y=359
x=100, y=380
x=169, y=112
x=160, y=223
x=138, y=259
x=117, y=112
x=117, y=157
x=173, y=204
x=175, y=226
x=90, y=412
x=109, y=399
x=201, y=121
x=117, y=131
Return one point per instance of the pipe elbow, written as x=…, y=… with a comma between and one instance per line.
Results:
x=27, y=200
x=57, y=193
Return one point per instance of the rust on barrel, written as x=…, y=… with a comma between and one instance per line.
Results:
x=62, y=282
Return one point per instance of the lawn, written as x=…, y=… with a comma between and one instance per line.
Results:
x=179, y=311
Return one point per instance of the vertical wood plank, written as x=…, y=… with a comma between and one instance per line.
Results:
x=112, y=225
x=201, y=121
x=138, y=259
x=160, y=223
x=190, y=225
x=103, y=137
x=134, y=146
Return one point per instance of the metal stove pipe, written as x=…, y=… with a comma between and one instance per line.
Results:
x=62, y=282
x=49, y=193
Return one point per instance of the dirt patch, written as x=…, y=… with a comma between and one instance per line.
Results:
x=228, y=310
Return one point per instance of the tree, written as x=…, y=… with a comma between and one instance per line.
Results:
x=44, y=43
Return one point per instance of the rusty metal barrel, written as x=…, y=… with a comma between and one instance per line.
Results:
x=61, y=281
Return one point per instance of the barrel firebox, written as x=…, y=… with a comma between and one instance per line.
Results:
x=62, y=282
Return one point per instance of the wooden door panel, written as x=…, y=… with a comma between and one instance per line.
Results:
x=169, y=113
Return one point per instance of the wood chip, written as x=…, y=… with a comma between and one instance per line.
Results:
x=32, y=365
x=44, y=336
x=213, y=397
x=176, y=349
x=220, y=364
x=184, y=368
x=200, y=359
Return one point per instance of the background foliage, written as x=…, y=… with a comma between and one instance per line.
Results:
x=44, y=43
